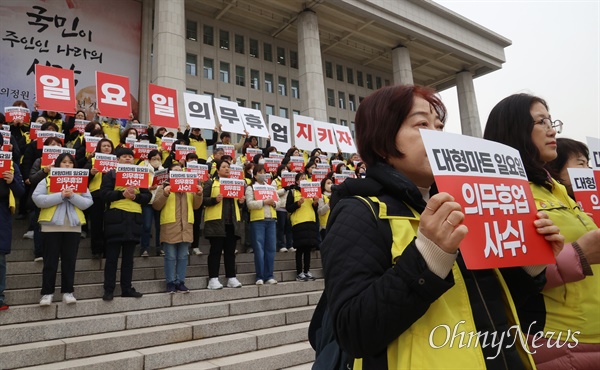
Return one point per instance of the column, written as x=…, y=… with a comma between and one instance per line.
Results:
x=145, y=60
x=168, y=62
x=401, y=67
x=312, y=86
x=467, y=104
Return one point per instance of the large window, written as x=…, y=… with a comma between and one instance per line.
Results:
x=209, y=66
x=191, y=30
x=294, y=59
x=282, y=86
x=270, y=109
x=330, y=97
x=283, y=112
x=378, y=82
x=342, y=99
x=352, y=102
x=224, y=39
x=224, y=72
x=239, y=44
x=241, y=102
x=369, y=81
x=208, y=35
x=268, y=82
x=328, y=70
x=359, y=79
x=339, y=72
x=343, y=122
x=280, y=56
x=255, y=79
x=295, y=89
x=332, y=120
x=255, y=105
x=254, y=48
x=190, y=64
x=268, y=52
x=240, y=76
x=350, y=75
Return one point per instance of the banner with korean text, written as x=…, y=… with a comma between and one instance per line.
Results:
x=198, y=111
x=344, y=139
x=325, y=137
x=288, y=178
x=5, y=144
x=201, y=170
x=280, y=133
x=183, y=182
x=5, y=161
x=55, y=89
x=159, y=177
x=232, y=188
x=489, y=182
x=310, y=189
x=304, y=132
x=162, y=102
x=181, y=151
x=112, y=92
x=50, y=153
x=91, y=143
x=227, y=112
x=105, y=162
x=68, y=178
x=263, y=192
x=236, y=172
x=253, y=122
x=227, y=149
x=131, y=175
x=43, y=135
x=16, y=113
x=585, y=188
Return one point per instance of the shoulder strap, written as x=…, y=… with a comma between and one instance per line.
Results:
x=383, y=225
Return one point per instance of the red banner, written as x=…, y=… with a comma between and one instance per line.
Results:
x=13, y=113
x=227, y=149
x=201, y=170
x=4, y=146
x=55, y=89
x=50, y=153
x=263, y=192
x=140, y=128
x=130, y=142
x=319, y=174
x=160, y=176
x=182, y=150
x=236, y=172
x=167, y=143
x=43, y=135
x=339, y=178
x=288, y=178
x=183, y=182
x=68, y=178
x=271, y=164
x=585, y=188
x=91, y=143
x=113, y=97
x=80, y=125
x=34, y=127
x=232, y=188
x=310, y=189
x=5, y=162
x=297, y=164
x=105, y=162
x=132, y=175
x=141, y=150
x=162, y=102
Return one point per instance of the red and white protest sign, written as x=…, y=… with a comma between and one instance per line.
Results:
x=160, y=176
x=236, y=172
x=251, y=152
x=263, y=192
x=132, y=175
x=297, y=163
x=55, y=89
x=344, y=138
x=183, y=182
x=5, y=162
x=271, y=164
x=276, y=155
x=201, y=170
x=231, y=188
x=130, y=142
x=16, y=113
x=69, y=178
x=105, y=162
x=319, y=174
x=4, y=146
x=167, y=143
x=340, y=178
x=585, y=188
x=50, y=153
x=141, y=150
x=198, y=111
x=350, y=173
x=288, y=178
x=91, y=143
x=80, y=125
x=323, y=166
x=141, y=128
x=593, y=144
x=43, y=135
x=227, y=149
x=310, y=189
x=5, y=127
x=34, y=127
x=182, y=150
x=488, y=180
x=113, y=97
x=163, y=106
x=325, y=137
x=304, y=137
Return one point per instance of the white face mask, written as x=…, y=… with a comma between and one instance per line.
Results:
x=132, y=135
x=261, y=161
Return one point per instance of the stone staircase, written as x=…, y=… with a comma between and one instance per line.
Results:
x=253, y=327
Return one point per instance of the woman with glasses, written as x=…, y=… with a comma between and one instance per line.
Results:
x=570, y=299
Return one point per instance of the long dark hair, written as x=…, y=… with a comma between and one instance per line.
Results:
x=510, y=123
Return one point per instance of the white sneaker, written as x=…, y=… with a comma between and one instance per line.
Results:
x=197, y=251
x=271, y=281
x=68, y=298
x=28, y=235
x=46, y=300
x=292, y=249
x=233, y=283
x=259, y=282
x=38, y=259
x=284, y=249
x=213, y=284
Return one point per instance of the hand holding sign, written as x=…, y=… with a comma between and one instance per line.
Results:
x=67, y=193
x=545, y=226
x=441, y=222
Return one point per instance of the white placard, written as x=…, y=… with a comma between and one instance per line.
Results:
x=280, y=133
x=344, y=138
x=254, y=122
x=325, y=137
x=304, y=136
x=199, y=111
x=229, y=116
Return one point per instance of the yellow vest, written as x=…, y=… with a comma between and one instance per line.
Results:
x=324, y=218
x=167, y=214
x=113, y=132
x=126, y=205
x=259, y=214
x=412, y=350
x=306, y=212
x=57, y=121
x=96, y=182
x=572, y=306
x=46, y=214
x=12, y=204
x=216, y=212
x=200, y=148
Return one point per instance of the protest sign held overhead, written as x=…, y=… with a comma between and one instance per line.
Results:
x=280, y=133
x=162, y=102
x=113, y=96
x=304, y=137
x=198, y=111
x=227, y=112
x=55, y=89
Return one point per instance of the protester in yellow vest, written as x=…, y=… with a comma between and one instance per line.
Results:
x=263, y=220
x=397, y=289
x=176, y=223
x=122, y=227
x=570, y=302
x=195, y=139
x=222, y=227
x=11, y=187
x=61, y=217
x=323, y=208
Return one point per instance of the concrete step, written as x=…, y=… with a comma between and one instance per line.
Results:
x=306, y=366
x=265, y=359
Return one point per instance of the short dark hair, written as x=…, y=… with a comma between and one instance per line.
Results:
x=224, y=134
x=152, y=153
x=112, y=150
x=49, y=124
x=510, y=123
x=191, y=157
x=62, y=156
x=380, y=116
x=123, y=151
x=566, y=148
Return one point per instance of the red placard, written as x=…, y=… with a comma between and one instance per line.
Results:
x=288, y=178
x=55, y=89
x=227, y=149
x=141, y=150
x=339, y=178
x=140, y=128
x=310, y=189
x=80, y=125
x=130, y=142
x=201, y=170
x=50, y=153
x=297, y=163
x=91, y=143
x=271, y=164
x=167, y=143
x=68, y=178
x=5, y=162
x=162, y=102
x=105, y=162
x=263, y=192
x=319, y=174
x=251, y=152
x=43, y=135
x=160, y=176
x=182, y=150
x=232, y=188
x=5, y=141
x=236, y=172
x=113, y=97
x=132, y=175
x=34, y=127
x=13, y=113
x=585, y=188
x=183, y=182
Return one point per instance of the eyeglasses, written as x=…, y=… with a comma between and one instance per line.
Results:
x=548, y=124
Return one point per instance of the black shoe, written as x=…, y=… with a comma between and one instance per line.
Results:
x=131, y=293
x=108, y=296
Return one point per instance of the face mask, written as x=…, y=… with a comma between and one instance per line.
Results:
x=132, y=136
x=261, y=161
x=262, y=177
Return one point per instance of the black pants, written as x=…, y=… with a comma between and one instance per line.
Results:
x=113, y=249
x=64, y=246
x=217, y=246
x=196, y=229
x=96, y=213
x=303, y=252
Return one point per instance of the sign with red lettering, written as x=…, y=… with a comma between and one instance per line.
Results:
x=288, y=178
x=325, y=137
x=105, y=162
x=112, y=92
x=55, y=89
x=130, y=142
x=227, y=149
x=68, y=178
x=141, y=150
x=232, y=188
x=263, y=192
x=488, y=180
x=271, y=164
x=340, y=178
x=50, y=153
x=5, y=162
x=182, y=150
x=132, y=175
x=310, y=189
x=43, y=135
x=319, y=174
x=344, y=138
x=4, y=146
x=91, y=143
x=34, y=127
x=297, y=163
x=236, y=172
x=141, y=128
x=167, y=143
x=201, y=170
x=304, y=136
x=163, y=106
x=16, y=113
x=80, y=125
x=183, y=182
x=585, y=188
x=160, y=176
x=251, y=152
